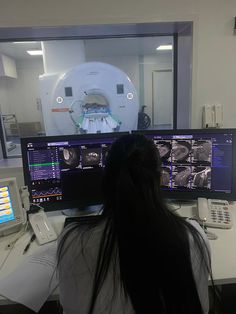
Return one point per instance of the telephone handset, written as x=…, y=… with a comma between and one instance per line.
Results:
x=215, y=213
x=42, y=227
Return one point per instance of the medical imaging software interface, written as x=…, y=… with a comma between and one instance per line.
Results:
x=196, y=162
x=66, y=170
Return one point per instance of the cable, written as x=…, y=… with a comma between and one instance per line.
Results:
x=5, y=259
x=34, y=208
x=210, y=235
x=11, y=244
x=17, y=237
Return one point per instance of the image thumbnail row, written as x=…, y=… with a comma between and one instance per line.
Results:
x=189, y=151
x=188, y=176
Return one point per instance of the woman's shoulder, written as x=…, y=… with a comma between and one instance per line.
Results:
x=75, y=237
x=198, y=229
x=77, y=249
x=199, y=243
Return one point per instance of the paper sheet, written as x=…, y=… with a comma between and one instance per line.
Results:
x=33, y=280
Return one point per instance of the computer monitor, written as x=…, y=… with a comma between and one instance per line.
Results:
x=12, y=215
x=66, y=171
x=197, y=163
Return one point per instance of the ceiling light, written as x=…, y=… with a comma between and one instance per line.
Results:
x=164, y=47
x=35, y=52
x=24, y=42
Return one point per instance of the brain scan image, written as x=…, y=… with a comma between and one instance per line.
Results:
x=202, y=151
x=164, y=148
x=70, y=157
x=182, y=176
x=181, y=151
x=201, y=177
x=91, y=157
x=165, y=176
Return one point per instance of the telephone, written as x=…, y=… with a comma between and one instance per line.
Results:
x=42, y=227
x=215, y=213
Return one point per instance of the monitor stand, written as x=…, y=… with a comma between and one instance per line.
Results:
x=83, y=211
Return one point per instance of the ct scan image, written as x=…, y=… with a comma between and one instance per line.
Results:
x=201, y=151
x=91, y=157
x=182, y=176
x=181, y=151
x=164, y=148
x=201, y=177
x=70, y=157
x=166, y=176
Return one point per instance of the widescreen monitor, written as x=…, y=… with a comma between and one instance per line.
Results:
x=197, y=163
x=66, y=171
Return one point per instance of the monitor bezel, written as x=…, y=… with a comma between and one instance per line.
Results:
x=62, y=204
x=192, y=195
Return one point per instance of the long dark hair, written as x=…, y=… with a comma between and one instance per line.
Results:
x=148, y=242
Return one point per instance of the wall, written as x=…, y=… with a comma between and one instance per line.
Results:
x=21, y=94
x=152, y=62
x=214, y=65
x=3, y=95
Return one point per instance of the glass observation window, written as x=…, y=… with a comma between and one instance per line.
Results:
x=31, y=73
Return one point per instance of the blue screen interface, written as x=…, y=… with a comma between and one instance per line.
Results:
x=6, y=208
x=66, y=170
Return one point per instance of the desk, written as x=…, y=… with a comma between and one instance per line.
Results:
x=223, y=250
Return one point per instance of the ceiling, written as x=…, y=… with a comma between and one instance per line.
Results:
x=18, y=50
x=95, y=47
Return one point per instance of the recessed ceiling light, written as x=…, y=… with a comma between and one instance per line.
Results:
x=35, y=52
x=24, y=42
x=164, y=47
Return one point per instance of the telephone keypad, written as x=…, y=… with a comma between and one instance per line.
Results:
x=220, y=214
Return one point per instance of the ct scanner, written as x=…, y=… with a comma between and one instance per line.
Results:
x=89, y=98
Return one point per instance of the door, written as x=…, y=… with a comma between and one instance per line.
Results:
x=162, y=99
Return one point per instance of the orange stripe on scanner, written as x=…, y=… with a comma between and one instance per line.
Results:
x=60, y=110
x=40, y=196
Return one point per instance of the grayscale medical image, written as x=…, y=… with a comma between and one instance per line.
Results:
x=202, y=177
x=165, y=176
x=91, y=157
x=105, y=151
x=70, y=157
x=164, y=148
x=182, y=176
x=201, y=151
x=181, y=151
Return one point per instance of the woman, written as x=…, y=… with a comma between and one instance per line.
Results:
x=139, y=257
